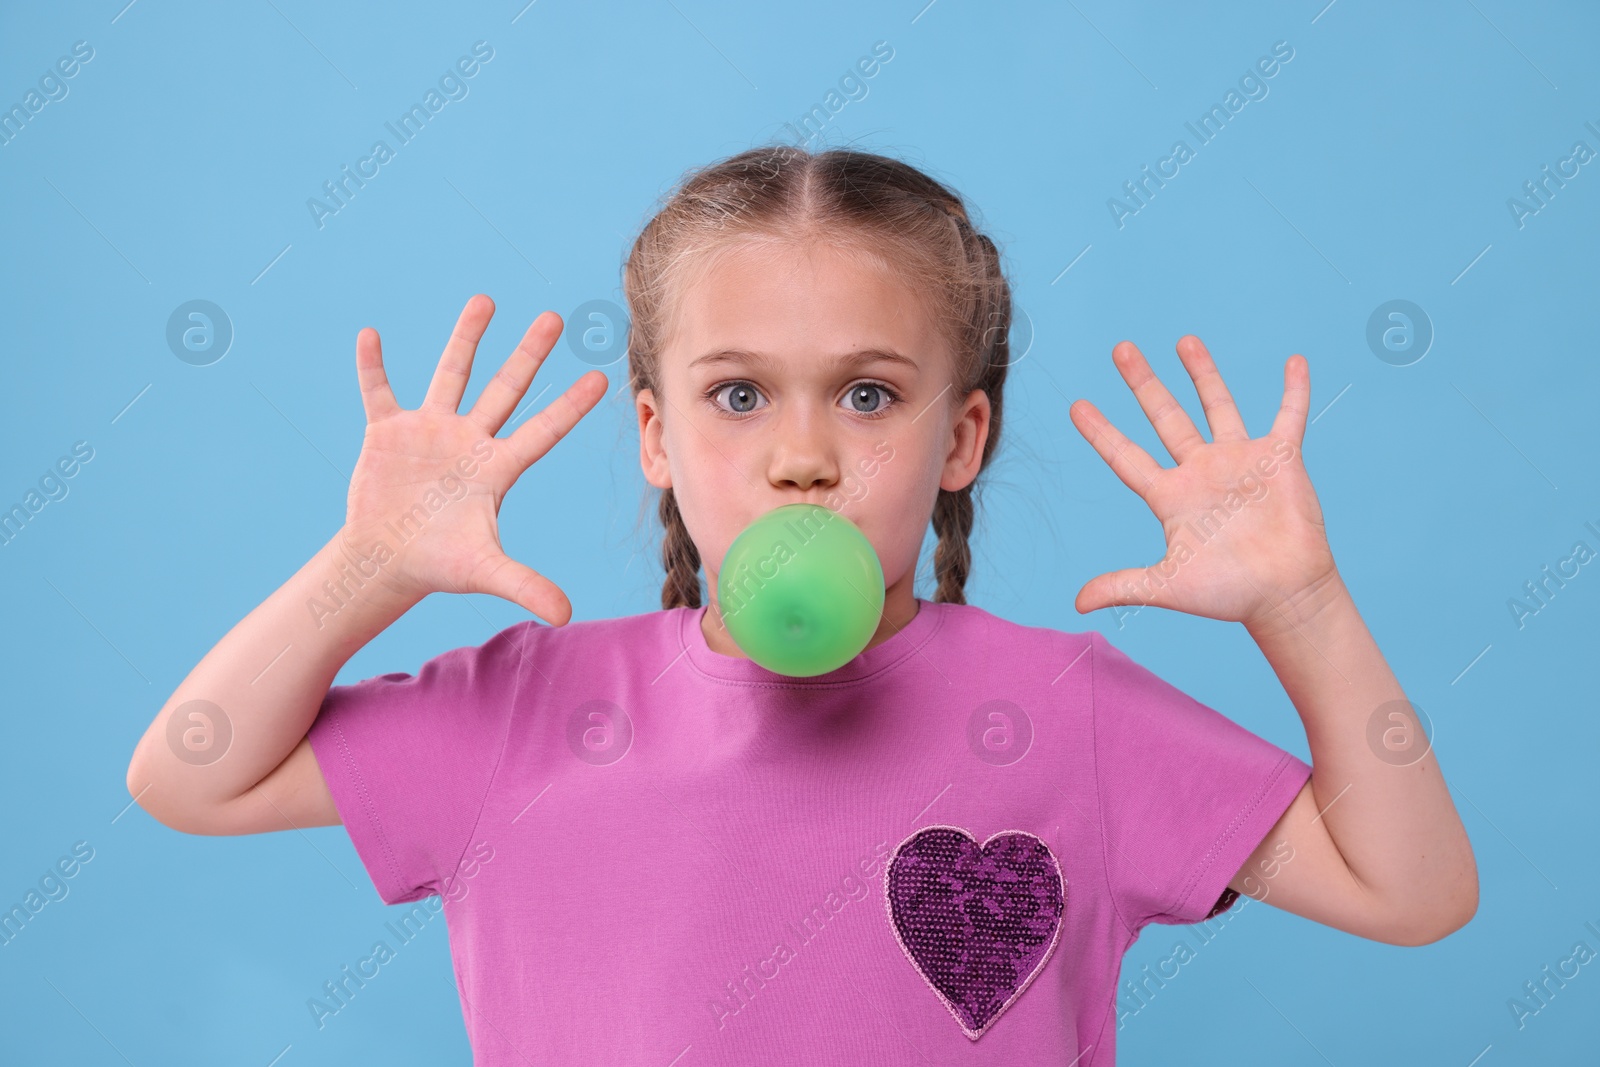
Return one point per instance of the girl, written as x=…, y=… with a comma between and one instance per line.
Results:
x=650, y=849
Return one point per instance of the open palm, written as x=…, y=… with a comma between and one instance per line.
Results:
x=429, y=482
x=1243, y=527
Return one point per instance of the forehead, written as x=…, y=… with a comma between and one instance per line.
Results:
x=806, y=301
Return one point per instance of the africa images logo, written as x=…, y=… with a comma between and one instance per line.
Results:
x=452, y=86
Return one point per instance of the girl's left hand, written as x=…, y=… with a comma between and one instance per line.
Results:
x=1245, y=538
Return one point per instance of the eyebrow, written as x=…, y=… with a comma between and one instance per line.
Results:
x=859, y=358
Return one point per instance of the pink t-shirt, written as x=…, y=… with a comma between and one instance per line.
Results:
x=649, y=852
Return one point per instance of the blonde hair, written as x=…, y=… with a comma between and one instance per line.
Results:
x=881, y=208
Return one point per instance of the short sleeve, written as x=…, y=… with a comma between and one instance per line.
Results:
x=1186, y=794
x=409, y=759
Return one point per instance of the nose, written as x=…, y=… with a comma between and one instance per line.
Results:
x=803, y=453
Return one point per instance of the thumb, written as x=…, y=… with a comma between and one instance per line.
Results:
x=504, y=577
x=1135, y=585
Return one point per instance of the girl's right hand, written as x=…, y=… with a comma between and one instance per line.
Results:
x=429, y=482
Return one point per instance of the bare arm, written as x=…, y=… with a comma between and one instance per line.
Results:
x=244, y=711
x=227, y=753
x=1379, y=848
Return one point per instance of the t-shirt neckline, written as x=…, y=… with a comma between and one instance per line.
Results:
x=736, y=669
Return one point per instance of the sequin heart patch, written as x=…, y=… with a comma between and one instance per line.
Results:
x=977, y=922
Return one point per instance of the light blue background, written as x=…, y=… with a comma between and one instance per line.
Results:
x=1378, y=167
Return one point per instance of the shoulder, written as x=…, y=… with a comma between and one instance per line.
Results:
x=1085, y=653
x=979, y=632
x=623, y=637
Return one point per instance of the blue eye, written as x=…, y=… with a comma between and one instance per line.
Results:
x=741, y=396
x=861, y=398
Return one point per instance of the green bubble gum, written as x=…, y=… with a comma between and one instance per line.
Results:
x=801, y=590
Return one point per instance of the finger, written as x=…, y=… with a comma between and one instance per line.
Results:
x=1222, y=414
x=1135, y=585
x=530, y=441
x=455, y=365
x=1172, y=423
x=524, y=586
x=376, y=396
x=505, y=390
x=1127, y=460
x=1291, y=420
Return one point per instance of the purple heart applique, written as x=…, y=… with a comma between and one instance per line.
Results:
x=977, y=922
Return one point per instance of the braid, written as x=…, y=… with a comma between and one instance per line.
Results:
x=680, y=557
x=952, y=559
x=953, y=511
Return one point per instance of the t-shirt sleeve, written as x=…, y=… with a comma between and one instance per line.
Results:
x=1186, y=794
x=409, y=759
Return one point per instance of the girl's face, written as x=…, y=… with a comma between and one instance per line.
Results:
x=799, y=374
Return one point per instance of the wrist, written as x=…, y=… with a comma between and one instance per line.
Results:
x=359, y=574
x=1319, y=600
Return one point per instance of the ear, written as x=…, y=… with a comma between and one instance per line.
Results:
x=967, y=437
x=652, y=451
